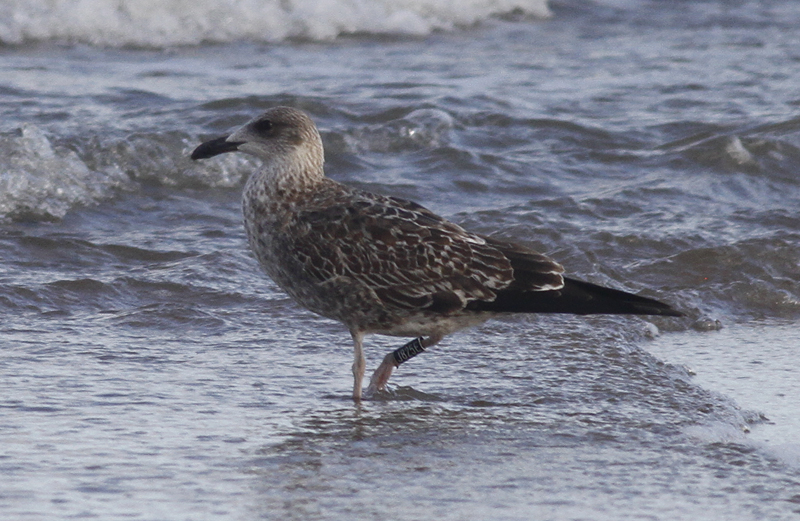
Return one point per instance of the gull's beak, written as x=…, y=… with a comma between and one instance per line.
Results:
x=215, y=147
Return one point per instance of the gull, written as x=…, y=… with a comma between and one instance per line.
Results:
x=384, y=265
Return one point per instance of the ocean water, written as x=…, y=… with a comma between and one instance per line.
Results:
x=149, y=370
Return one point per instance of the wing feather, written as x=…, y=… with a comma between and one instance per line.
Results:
x=411, y=258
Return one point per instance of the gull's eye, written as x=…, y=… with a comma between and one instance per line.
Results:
x=263, y=126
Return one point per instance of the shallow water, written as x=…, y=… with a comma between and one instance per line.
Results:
x=149, y=370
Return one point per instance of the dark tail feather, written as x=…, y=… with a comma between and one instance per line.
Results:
x=577, y=297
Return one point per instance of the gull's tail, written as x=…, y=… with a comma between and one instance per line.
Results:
x=576, y=297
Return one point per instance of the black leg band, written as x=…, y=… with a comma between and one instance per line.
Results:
x=408, y=351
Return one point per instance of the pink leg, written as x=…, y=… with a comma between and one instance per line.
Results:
x=381, y=375
x=359, y=364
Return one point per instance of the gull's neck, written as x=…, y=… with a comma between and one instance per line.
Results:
x=289, y=175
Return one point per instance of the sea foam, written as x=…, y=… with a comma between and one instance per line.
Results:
x=41, y=181
x=161, y=23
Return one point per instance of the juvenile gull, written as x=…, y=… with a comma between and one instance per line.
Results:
x=386, y=265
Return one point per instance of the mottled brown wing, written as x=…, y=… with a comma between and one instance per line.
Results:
x=410, y=257
x=532, y=270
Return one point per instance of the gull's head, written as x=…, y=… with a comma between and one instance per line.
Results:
x=282, y=137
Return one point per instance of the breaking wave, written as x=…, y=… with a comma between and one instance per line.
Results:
x=151, y=23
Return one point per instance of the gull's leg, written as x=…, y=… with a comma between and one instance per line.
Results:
x=397, y=357
x=359, y=363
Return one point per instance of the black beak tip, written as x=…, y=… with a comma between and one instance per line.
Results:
x=215, y=147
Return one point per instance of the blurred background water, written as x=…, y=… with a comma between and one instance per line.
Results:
x=148, y=370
